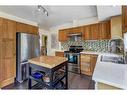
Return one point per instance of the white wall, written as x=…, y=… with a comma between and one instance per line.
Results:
x=47, y=33
x=68, y=25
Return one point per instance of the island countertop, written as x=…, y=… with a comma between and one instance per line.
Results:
x=47, y=61
x=111, y=74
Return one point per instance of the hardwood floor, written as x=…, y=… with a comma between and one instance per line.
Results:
x=75, y=81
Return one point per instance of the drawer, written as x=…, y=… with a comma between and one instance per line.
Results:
x=85, y=58
x=85, y=61
x=60, y=54
x=85, y=67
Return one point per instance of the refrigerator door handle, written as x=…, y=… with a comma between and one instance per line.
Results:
x=24, y=63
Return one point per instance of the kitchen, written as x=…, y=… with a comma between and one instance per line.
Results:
x=77, y=46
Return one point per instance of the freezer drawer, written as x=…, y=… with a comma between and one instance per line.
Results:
x=24, y=75
x=23, y=72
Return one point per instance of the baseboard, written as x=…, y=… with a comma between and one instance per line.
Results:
x=6, y=82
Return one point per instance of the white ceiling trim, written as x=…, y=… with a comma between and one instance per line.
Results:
x=76, y=23
x=15, y=18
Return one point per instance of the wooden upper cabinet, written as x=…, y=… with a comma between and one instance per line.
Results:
x=1, y=22
x=116, y=26
x=95, y=33
x=32, y=29
x=8, y=52
x=77, y=30
x=105, y=31
x=86, y=32
x=124, y=18
x=63, y=35
x=21, y=27
x=89, y=32
x=9, y=29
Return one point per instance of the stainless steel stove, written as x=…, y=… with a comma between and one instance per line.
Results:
x=73, y=56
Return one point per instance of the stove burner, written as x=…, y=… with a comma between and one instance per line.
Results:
x=75, y=49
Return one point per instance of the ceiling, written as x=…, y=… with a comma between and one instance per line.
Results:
x=104, y=12
x=59, y=15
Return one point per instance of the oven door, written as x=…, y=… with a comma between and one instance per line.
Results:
x=73, y=59
x=73, y=62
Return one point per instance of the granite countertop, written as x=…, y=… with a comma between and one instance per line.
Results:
x=84, y=52
x=90, y=52
x=47, y=61
x=111, y=73
x=93, y=52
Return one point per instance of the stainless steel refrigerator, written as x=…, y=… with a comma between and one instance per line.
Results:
x=27, y=47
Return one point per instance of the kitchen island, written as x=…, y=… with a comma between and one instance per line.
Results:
x=50, y=65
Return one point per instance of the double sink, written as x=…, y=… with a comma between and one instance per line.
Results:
x=112, y=59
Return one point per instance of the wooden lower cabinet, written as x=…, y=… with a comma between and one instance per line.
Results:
x=88, y=62
x=59, y=53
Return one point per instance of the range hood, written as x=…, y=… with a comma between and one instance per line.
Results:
x=75, y=36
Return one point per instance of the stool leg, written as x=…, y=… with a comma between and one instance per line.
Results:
x=66, y=71
x=29, y=80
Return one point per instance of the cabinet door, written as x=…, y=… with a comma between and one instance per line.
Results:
x=0, y=62
x=88, y=63
x=86, y=32
x=8, y=52
x=116, y=26
x=105, y=31
x=32, y=29
x=85, y=64
x=60, y=54
x=21, y=27
x=77, y=30
x=63, y=35
x=93, y=62
x=1, y=22
x=8, y=59
x=9, y=28
x=95, y=32
x=124, y=18
x=35, y=30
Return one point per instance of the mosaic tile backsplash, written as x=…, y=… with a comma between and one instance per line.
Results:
x=88, y=45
